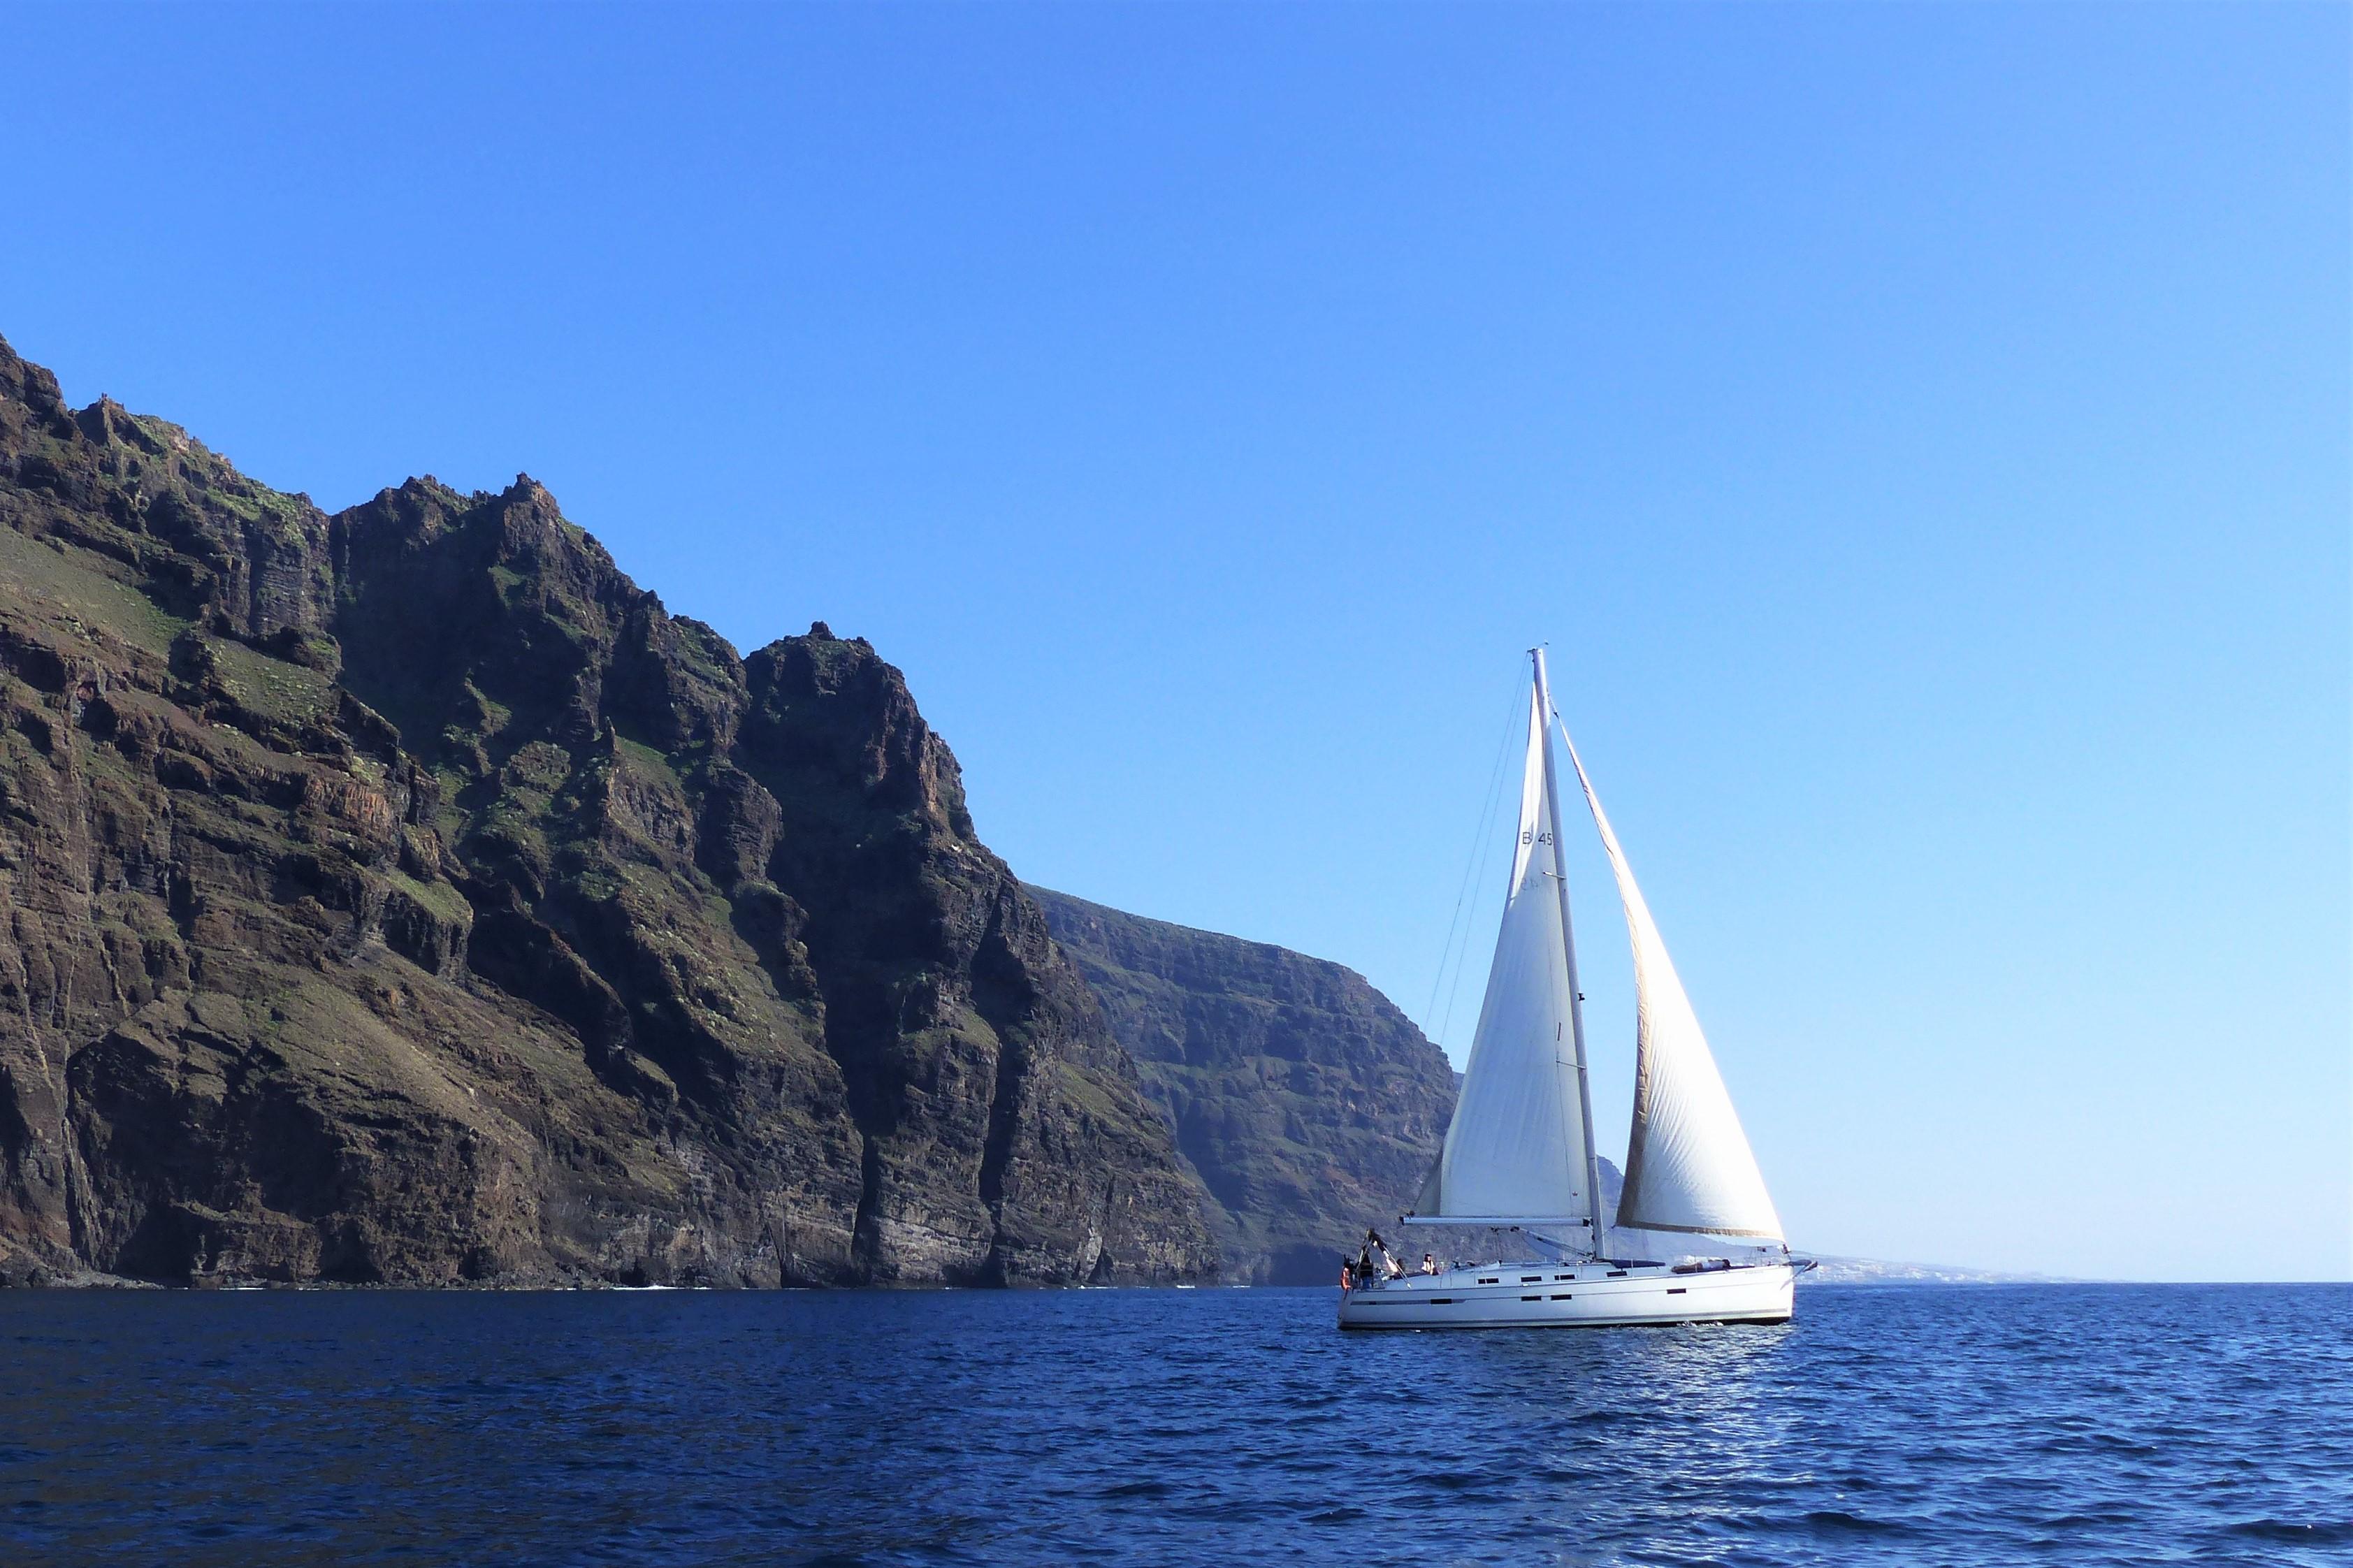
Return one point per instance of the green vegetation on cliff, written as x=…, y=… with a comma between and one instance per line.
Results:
x=403, y=896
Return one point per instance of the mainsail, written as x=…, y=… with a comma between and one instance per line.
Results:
x=1688, y=1164
x=1516, y=1148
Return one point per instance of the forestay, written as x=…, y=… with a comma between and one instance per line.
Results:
x=1688, y=1164
x=1515, y=1149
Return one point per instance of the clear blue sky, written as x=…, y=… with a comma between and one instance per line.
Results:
x=1921, y=433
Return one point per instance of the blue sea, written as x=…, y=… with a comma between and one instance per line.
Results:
x=1941, y=1425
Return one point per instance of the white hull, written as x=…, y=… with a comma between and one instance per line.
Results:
x=1564, y=1296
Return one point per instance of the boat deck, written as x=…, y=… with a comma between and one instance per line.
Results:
x=1573, y=1295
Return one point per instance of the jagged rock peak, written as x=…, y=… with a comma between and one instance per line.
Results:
x=405, y=895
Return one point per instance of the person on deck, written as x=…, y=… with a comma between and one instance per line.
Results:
x=1428, y=1264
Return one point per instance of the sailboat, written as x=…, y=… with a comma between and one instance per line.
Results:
x=1697, y=1238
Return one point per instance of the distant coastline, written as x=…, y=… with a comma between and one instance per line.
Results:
x=1882, y=1271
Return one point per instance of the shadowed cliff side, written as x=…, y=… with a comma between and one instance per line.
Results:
x=1308, y=1103
x=403, y=896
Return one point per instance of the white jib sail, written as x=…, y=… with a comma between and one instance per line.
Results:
x=1515, y=1149
x=1688, y=1164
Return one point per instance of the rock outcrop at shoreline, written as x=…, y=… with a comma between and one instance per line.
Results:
x=402, y=896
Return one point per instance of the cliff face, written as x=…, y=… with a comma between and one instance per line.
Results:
x=403, y=895
x=1308, y=1103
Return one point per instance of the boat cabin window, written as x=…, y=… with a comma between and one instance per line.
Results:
x=1564, y=1276
x=1562, y=1297
x=1530, y=1279
x=1495, y=1281
x=1531, y=1297
x=1617, y=1273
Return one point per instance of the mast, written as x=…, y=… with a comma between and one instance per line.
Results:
x=1568, y=952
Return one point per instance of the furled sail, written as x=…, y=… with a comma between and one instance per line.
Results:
x=1688, y=1164
x=1515, y=1149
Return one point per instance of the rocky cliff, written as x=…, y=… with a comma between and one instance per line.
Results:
x=403, y=896
x=1308, y=1103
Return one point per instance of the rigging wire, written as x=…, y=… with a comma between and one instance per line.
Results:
x=1469, y=864
x=1486, y=853
x=1474, y=870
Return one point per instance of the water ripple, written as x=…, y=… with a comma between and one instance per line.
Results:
x=2083, y=1426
